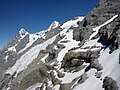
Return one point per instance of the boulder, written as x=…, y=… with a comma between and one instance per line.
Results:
x=75, y=59
x=54, y=80
x=95, y=64
x=109, y=84
x=60, y=74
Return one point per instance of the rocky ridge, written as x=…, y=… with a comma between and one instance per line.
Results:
x=80, y=54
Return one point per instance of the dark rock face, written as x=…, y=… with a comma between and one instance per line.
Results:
x=52, y=54
x=22, y=43
x=38, y=41
x=54, y=80
x=111, y=41
x=109, y=84
x=35, y=76
x=52, y=32
x=72, y=59
x=9, y=57
x=9, y=61
x=60, y=74
x=80, y=34
x=95, y=64
x=105, y=10
x=2, y=74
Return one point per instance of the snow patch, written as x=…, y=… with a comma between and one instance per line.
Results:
x=34, y=86
x=43, y=59
x=68, y=45
x=70, y=23
x=12, y=49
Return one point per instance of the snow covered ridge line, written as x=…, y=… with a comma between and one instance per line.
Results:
x=42, y=34
x=54, y=25
x=28, y=57
x=32, y=39
x=70, y=23
x=96, y=29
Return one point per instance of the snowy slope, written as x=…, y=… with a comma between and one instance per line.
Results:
x=71, y=43
x=28, y=57
x=39, y=35
x=109, y=62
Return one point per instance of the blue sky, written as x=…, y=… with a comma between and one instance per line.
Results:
x=36, y=15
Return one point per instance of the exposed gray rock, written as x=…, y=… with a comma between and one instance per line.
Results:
x=39, y=72
x=98, y=74
x=109, y=84
x=54, y=80
x=73, y=59
x=52, y=54
x=38, y=41
x=60, y=74
x=65, y=87
x=80, y=34
x=95, y=64
x=100, y=14
x=66, y=41
x=52, y=32
x=43, y=72
x=22, y=43
x=2, y=74
x=48, y=88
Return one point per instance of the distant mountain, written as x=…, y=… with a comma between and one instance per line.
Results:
x=81, y=54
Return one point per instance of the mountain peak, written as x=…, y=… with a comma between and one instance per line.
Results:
x=54, y=25
x=23, y=32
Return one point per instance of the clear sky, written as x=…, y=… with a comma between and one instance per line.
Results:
x=36, y=15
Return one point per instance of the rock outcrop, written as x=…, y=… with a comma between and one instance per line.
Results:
x=109, y=84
